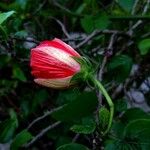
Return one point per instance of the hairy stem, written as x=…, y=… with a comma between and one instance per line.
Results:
x=109, y=101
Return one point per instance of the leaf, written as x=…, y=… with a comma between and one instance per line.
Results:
x=126, y=4
x=61, y=140
x=121, y=144
x=133, y=114
x=72, y=146
x=144, y=46
x=88, y=126
x=13, y=116
x=4, y=60
x=139, y=129
x=7, y=129
x=101, y=22
x=39, y=97
x=22, y=3
x=4, y=16
x=110, y=145
x=20, y=139
x=90, y=23
x=119, y=67
x=19, y=74
x=120, y=105
x=21, y=34
x=118, y=128
x=103, y=118
x=82, y=106
x=67, y=96
x=117, y=144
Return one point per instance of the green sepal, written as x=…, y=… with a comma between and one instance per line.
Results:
x=85, y=72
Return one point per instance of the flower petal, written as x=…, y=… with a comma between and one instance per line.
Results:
x=48, y=66
x=57, y=43
x=55, y=83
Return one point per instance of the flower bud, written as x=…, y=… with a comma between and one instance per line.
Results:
x=53, y=64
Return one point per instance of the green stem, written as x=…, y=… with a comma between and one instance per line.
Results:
x=109, y=101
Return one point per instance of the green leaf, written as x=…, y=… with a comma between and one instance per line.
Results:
x=118, y=129
x=120, y=105
x=21, y=34
x=67, y=96
x=110, y=145
x=22, y=3
x=101, y=22
x=133, y=114
x=39, y=98
x=20, y=139
x=4, y=60
x=19, y=74
x=82, y=106
x=13, y=116
x=72, y=146
x=119, y=67
x=126, y=4
x=88, y=126
x=103, y=118
x=90, y=23
x=117, y=144
x=139, y=129
x=61, y=140
x=4, y=16
x=121, y=144
x=7, y=129
x=144, y=46
x=87, y=23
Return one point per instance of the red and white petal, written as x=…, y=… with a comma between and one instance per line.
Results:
x=55, y=83
x=47, y=66
x=57, y=43
x=59, y=55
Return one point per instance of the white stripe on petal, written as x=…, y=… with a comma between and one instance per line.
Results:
x=61, y=56
x=55, y=83
x=66, y=45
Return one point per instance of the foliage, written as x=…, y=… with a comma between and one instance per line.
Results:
x=114, y=36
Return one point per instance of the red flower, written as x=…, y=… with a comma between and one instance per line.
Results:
x=52, y=64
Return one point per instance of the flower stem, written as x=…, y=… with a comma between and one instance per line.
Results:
x=109, y=101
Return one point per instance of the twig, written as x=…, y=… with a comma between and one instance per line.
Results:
x=132, y=13
x=102, y=68
x=44, y=116
x=109, y=48
x=75, y=137
x=134, y=7
x=96, y=32
x=63, y=28
x=38, y=136
x=26, y=40
x=66, y=10
x=40, y=7
x=140, y=21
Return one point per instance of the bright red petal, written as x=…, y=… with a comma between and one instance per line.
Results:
x=48, y=67
x=57, y=43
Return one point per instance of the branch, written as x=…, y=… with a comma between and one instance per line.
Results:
x=26, y=40
x=94, y=33
x=44, y=131
x=134, y=7
x=109, y=48
x=44, y=116
x=63, y=28
x=97, y=32
x=140, y=21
